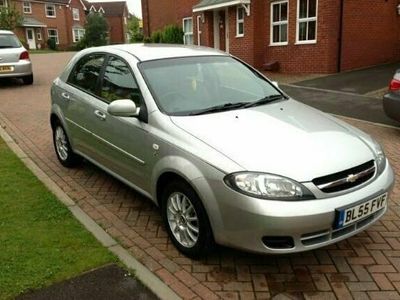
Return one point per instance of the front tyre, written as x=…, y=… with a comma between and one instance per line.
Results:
x=186, y=219
x=63, y=148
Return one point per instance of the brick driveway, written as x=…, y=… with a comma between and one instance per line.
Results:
x=365, y=266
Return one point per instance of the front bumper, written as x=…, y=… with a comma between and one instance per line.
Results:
x=20, y=68
x=241, y=222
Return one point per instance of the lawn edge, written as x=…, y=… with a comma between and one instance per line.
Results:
x=143, y=274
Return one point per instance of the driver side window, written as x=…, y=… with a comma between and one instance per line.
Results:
x=119, y=83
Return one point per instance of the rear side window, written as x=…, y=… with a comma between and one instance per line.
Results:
x=86, y=72
x=119, y=82
x=9, y=41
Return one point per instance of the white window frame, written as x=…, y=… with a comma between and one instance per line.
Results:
x=306, y=20
x=39, y=34
x=278, y=23
x=4, y=3
x=56, y=36
x=239, y=21
x=27, y=9
x=75, y=14
x=79, y=36
x=187, y=33
x=50, y=5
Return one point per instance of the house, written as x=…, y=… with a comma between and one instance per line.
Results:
x=299, y=36
x=61, y=20
x=116, y=14
x=64, y=20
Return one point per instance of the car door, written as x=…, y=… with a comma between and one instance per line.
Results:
x=76, y=98
x=121, y=142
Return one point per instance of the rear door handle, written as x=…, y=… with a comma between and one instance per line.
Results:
x=100, y=115
x=65, y=95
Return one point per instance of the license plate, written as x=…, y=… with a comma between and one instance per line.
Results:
x=355, y=213
x=5, y=69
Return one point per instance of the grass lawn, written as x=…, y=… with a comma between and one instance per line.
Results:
x=40, y=241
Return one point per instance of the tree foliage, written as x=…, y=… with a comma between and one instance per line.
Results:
x=96, y=31
x=10, y=18
x=134, y=30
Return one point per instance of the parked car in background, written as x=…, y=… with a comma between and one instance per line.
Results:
x=227, y=155
x=391, y=100
x=14, y=58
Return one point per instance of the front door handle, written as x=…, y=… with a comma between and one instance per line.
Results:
x=100, y=115
x=65, y=95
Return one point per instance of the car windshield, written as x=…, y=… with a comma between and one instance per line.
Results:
x=197, y=85
x=9, y=41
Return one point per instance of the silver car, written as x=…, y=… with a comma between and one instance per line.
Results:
x=226, y=155
x=14, y=58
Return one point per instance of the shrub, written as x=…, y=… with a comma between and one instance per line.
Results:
x=51, y=43
x=156, y=37
x=172, y=34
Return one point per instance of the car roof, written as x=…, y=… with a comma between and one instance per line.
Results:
x=6, y=32
x=145, y=52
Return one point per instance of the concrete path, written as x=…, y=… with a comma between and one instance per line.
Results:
x=359, y=81
x=349, y=105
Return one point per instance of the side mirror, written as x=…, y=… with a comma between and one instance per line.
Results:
x=123, y=108
x=275, y=83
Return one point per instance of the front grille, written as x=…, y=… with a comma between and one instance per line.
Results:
x=346, y=179
x=314, y=238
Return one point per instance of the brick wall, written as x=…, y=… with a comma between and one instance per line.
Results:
x=371, y=34
x=116, y=29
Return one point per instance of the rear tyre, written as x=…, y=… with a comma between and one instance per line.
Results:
x=186, y=219
x=28, y=80
x=63, y=148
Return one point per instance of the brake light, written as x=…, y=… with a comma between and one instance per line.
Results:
x=394, y=85
x=24, y=55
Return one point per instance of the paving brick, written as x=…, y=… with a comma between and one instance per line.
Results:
x=367, y=265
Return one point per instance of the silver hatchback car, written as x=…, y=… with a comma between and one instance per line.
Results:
x=14, y=58
x=226, y=155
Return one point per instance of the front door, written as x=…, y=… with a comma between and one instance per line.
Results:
x=221, y=30
x=30, y=38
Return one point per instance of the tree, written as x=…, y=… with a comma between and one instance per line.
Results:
x=134, y=30
x=9, y=18
x=96, y=31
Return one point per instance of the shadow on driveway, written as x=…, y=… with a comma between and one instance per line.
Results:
x=358, y=81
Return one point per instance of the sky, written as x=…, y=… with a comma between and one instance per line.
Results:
x=134, y=6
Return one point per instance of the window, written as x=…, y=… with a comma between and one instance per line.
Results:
x=53, y=34
x=75, y=14
x=50, y=10
x=203, y=82
x=27, y=7
x=77, y=34
x=188, y=31
x=307, y=21
x=39, y=34
x=3, y=3
x=86, y=72
x=119, y=83
x=279, y=23
x=239, y=21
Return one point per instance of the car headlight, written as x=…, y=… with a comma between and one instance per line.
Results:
x=267, y=186
x=380, y=157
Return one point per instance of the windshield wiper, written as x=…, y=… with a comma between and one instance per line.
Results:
x=218, y=108
x=265, y=100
